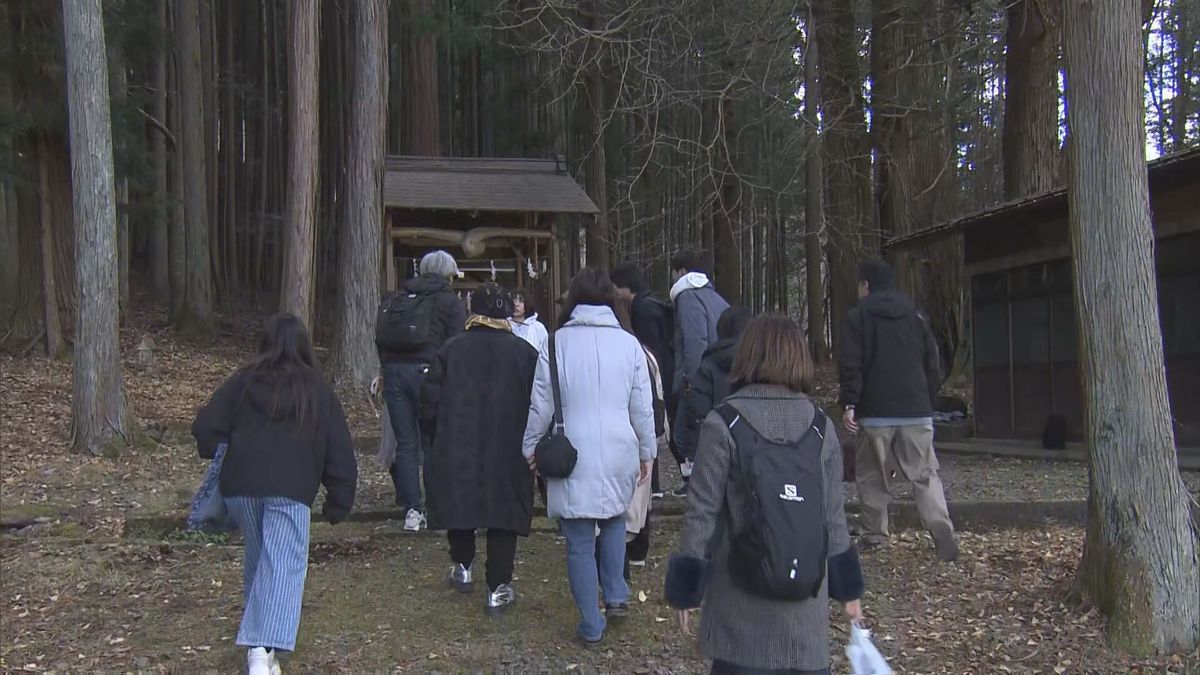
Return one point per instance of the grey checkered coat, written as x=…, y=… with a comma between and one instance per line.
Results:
x=737, y=627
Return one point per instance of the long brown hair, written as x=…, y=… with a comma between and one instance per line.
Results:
x=773, y=350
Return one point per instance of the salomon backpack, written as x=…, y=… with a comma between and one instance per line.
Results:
x=405, y=322
x=780, y=550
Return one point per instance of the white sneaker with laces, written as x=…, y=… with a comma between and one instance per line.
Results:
x=414, y=521
x=258, y=662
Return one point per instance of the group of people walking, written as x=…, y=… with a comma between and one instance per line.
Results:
x=472, y=392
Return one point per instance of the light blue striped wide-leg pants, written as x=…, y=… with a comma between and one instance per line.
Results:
x=275, y=566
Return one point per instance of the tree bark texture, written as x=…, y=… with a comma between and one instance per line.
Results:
x=303, y=140
x=1029, y=141
x=814, y=217
x=98, y=403
x=195, y=309
x=354, y=357
x=1141, y=563
x=9, y=236
x=52, y=320
x=421, y=66
x=159, y=223
x=846, y=154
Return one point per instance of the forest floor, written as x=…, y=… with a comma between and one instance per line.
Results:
x=87, y=587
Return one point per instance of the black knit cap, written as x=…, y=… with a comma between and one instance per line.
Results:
x=491, y=301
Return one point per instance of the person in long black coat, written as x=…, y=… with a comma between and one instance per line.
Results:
x=475, y=405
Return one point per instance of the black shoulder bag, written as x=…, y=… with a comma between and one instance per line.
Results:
x=555, y=455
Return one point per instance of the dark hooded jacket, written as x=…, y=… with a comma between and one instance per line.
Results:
x=276, y=449
x=654, y=326
x=449, y=319
x=710, y=387
x=888, y=358
x=474, y=407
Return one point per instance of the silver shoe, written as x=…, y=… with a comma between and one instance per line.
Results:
x=462, y=579
x=499, y=600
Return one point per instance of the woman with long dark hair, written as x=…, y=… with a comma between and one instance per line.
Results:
x=286, y=434
x=608, y=416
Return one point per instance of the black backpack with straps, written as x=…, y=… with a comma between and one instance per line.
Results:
x=781, y=549
x=405, y=321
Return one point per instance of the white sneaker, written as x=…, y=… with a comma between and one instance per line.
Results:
x=261, y=662
x=414, y=521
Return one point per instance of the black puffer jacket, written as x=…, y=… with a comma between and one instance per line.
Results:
x=710, y=387
x=272, y=452
x=449, y=319
x=474, y=407
x=888, y=359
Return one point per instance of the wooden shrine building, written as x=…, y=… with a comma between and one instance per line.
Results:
x=513, y=221
x=1017, y=263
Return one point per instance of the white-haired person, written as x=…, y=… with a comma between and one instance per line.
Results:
x=413, y=324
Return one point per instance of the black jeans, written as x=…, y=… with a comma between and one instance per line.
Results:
x=402, y=394
x=501, y=553
x=727, y=668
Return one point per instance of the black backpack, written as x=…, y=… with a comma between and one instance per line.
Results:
x=405, y=322
x=780, y=552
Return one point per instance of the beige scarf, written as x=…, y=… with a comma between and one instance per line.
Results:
x=488, y=322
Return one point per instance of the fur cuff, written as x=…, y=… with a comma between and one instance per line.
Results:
x=845, y=576
x=687, y=579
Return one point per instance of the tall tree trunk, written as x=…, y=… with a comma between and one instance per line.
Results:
x=1187, y=59
x=1029, y=142
x=300, y=217
x=599, y=232
x=53, y=322
x=354, y=357
x=230, y=149
x=10, y=259
x=421, y=66
x=209, y=72
x=120, y=90
x=159, y=237
x=177, y=223
x=726, y=252
x=846, y=154
x=1141, y=559
x=98, y=404
x=195, y=311
x=814, y=217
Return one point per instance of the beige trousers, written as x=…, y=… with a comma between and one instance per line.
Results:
x=910, y=450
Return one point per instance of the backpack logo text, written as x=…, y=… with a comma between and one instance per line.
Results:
x=790, y=494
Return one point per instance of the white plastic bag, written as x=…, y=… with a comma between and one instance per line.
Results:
x=865, y=659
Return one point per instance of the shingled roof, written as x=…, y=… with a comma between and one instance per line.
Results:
x=482, y=184
x=1162, y=172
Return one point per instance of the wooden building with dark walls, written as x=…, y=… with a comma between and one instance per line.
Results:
x=518, y=222
x=1017, y=261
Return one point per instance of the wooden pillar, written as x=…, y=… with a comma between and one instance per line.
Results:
x=389, y=254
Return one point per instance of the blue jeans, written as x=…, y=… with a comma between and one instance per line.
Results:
x=275, y=530
x=582, y=573
x=402, y=394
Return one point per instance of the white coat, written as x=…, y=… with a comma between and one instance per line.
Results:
x=530, y=330
x=607, y=411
